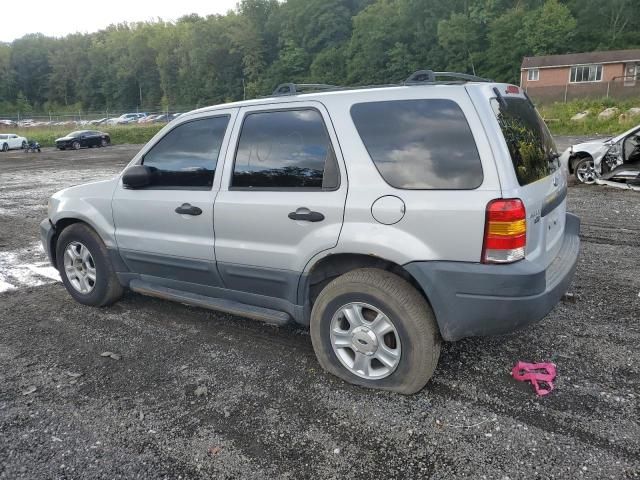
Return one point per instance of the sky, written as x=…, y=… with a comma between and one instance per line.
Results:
x=69, y=16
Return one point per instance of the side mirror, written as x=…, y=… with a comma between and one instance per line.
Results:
x=137, y=176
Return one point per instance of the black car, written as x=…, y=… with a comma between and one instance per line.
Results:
x=83, y=138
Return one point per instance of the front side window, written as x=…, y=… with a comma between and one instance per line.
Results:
x=187, y=156
x=420, y=144
x=533, y=75
x=586, y=73
x=285, y=149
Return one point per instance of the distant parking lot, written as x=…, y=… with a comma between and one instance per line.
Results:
x=192, y=393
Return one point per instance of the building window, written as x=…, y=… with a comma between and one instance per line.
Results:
x=533, y=75
x=586, y=73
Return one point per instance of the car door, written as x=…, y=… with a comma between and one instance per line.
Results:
x=281, y=199
x=166, y=229
x=14, y=141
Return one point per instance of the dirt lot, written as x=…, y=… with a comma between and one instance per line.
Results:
x=268, y=410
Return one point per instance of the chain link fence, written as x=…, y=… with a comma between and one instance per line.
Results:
x=621, y=88
x=81, y=118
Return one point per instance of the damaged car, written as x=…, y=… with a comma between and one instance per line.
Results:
x=612, y=161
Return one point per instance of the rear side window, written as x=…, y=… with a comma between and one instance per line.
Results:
x=531, y=146
x=420, y=144
x=285, y=149
x=187, y=156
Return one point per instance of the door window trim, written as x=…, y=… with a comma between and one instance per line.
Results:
x=219, y=160
x=245, y=115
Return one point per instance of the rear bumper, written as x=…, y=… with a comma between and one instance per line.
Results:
x=47, y=232
x=472, y=299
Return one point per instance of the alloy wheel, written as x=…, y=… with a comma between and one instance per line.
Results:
x=365, y=341
x=586, y=172
x=80, y=267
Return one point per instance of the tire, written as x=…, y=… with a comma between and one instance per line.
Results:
x=5, y=147
x=24, y=145
x=402, y=305
x=104, y=142
x=585, y=171
x=75, y=145
x=106, y=289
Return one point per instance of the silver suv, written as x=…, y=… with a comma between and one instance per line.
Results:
x=386, y=218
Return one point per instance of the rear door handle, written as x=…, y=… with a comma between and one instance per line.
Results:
x=188, y=209
x=306, y=215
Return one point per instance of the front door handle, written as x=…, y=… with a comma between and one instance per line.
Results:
x=188, y=209
x=306, y=215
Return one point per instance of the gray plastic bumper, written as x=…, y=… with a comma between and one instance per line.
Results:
x=472, y=299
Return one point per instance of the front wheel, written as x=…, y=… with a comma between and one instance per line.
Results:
x=372, y=328
x=586, y=171
x=104, y=142
x=76, y=145
x=24, y=145
x=86, y=271
x=5, y=147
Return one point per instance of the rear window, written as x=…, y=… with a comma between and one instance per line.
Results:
x=530, y=144
x=420, y=144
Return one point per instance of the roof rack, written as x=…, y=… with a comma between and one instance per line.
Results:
x=421, y=77
x=294, y=88
x=429, y=76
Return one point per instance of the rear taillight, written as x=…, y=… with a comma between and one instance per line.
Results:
x=505, y=231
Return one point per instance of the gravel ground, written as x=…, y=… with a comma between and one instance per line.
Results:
x=191, y=393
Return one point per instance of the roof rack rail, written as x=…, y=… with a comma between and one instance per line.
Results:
x=295, y=88
x=429, y=76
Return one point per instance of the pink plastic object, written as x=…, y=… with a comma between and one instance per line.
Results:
x=541, y=375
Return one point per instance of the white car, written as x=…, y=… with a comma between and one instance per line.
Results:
x=605, y=161
x=126, y=118
x=11, y=141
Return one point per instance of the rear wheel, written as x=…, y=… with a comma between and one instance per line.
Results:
x=5, y=147
x=86, y=271
x=24, y=145
x=586, y=171
x=372, y=328
x=104, y=142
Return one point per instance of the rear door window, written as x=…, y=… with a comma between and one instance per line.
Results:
x=285, y=149
x=531, y=146
x=420, y=144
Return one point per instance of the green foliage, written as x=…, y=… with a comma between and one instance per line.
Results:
x=558, y=117
x=197, y=61
x=132, y=134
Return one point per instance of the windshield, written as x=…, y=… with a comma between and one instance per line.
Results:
x=531, y=146
x=76, y=134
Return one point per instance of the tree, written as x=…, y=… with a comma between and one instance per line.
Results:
x=549, y=29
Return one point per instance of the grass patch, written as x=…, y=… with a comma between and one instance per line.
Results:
x=558, y=117
x=120, y=134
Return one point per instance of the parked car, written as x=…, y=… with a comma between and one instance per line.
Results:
x=83, y=138
x=126, y=118
x=385, y=218
x=11, y=141
x=615, y=159
x=7, y=123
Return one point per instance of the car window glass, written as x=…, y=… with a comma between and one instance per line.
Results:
x=188, y=154
x=530, y=144
x=285, y=149
x=419, y=144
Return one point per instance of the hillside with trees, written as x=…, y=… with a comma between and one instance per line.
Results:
x=199, y=61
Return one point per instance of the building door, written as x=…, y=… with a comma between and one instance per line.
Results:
x=630, y=74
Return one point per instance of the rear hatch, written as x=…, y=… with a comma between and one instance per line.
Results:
x=533, y=159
